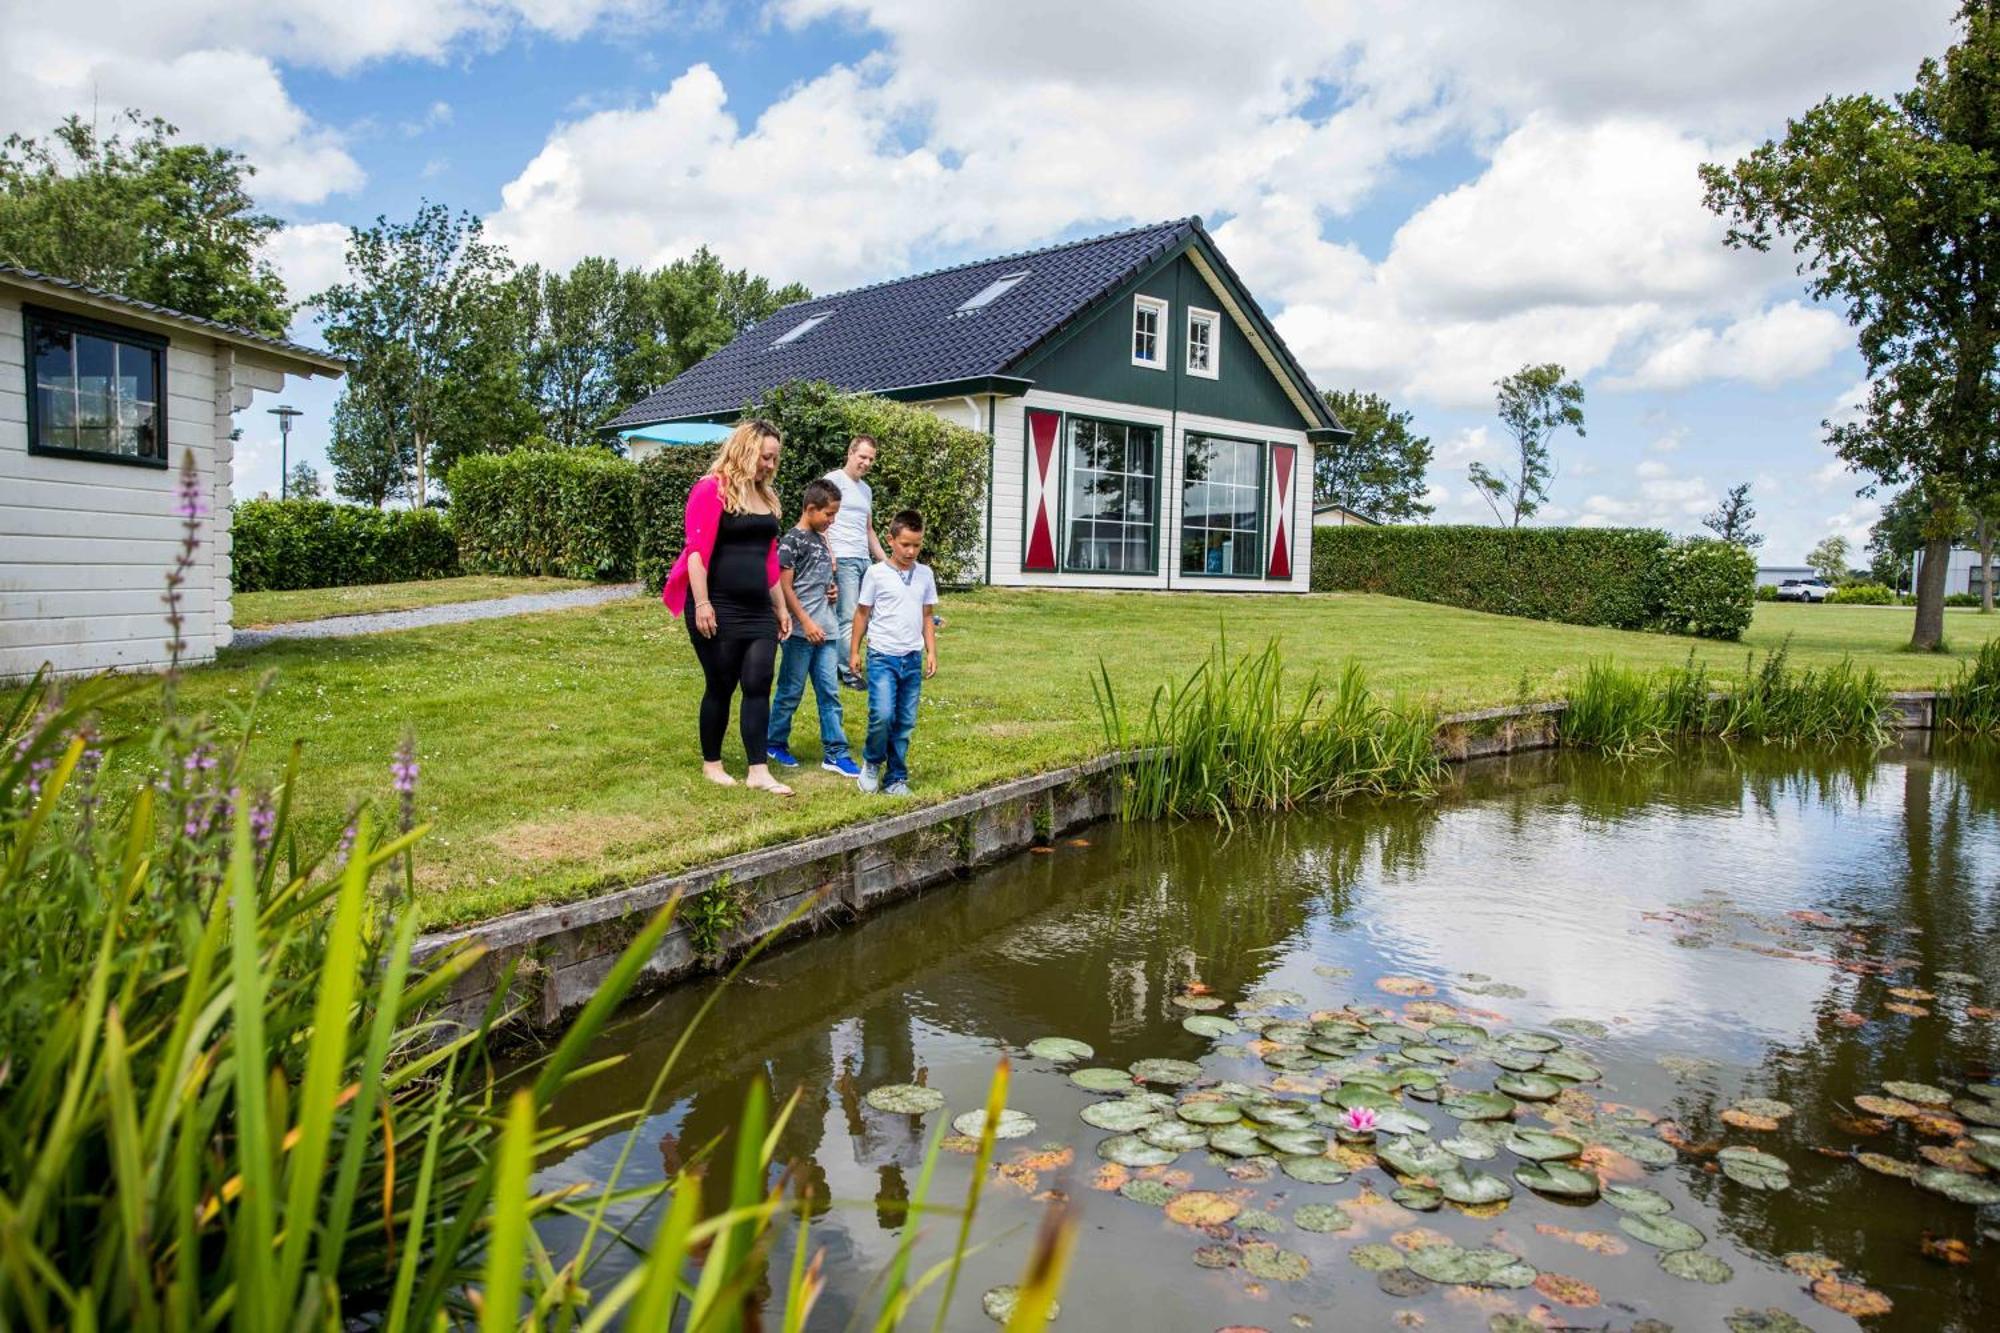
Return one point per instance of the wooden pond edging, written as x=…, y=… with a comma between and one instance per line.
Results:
x=561, y=953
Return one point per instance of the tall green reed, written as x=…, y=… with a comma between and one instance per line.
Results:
x=1971, y=703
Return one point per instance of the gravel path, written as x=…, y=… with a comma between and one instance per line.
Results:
x=340, y=627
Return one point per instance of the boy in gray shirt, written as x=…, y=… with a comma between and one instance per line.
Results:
x=805, y=575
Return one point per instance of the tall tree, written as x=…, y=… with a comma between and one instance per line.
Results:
x=1380, y=472
x=686, y=310
x=1534, y=403
x=1732, y=519
x=302, y=482
x=579, y=326
x=1829, y=559
x=429, y=320
x=1896, y=535
x=370, y=447
x=137, y=213
x=1893, y=209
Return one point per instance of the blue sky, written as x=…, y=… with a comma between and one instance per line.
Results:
x=1424, y=198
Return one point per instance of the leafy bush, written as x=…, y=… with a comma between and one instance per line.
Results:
x=283, y=544
x=566, y=513
x=1861, y=594
x=1766, y=592
x=1582, y=576
x=924, y=462
x=1705, y=587
x=660, y=509
x=1960, y=599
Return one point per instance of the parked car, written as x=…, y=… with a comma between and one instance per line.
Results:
x=1803, y=590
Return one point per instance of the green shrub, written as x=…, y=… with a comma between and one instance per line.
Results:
x=1766, y=592
x=1582, y=576
x=1959, y=599
x=564, y=513
x=1972, y=702
x=924, y=462
x=662, y=487
x=1861, y=594
x=1705, y=587
x=283, y=544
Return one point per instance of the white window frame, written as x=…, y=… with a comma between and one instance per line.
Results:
x=1213, y=321
x=1162, y=327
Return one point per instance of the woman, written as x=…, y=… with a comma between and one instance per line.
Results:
x=730, y=569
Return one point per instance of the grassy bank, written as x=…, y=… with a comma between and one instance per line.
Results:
x=253, y=609
x=558, y=750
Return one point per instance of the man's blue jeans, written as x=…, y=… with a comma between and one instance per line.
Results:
x=847, y=573
x=797, y=661
x=894, y=686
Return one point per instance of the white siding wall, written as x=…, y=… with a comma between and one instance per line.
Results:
x=85, y=547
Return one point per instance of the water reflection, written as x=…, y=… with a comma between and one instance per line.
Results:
x=1736, y=917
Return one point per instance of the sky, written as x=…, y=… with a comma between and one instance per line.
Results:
x=1423, y=197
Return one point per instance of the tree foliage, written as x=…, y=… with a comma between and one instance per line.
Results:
x=136, y=212
x=681, y=313
x=1380, y=472
x=1732, y=519
x=1893, y=211
x=1534, y=403
x=1829, y=559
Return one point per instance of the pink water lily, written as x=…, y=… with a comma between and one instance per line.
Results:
x=1361, y=1120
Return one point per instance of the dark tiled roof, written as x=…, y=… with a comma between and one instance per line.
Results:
x=903, y=333
x=231, y=331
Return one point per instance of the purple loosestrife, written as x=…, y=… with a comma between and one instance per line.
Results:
x=404, y=772
x=189, y=506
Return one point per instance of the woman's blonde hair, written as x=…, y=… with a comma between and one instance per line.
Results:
x=736, y=466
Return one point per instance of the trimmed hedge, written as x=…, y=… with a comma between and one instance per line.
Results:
x=280, y=545
x=564, y=513
x=662, y=487
x=1624, y=578
x=1862, y=594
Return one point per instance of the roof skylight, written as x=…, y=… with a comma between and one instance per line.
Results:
x=991, y=292
x=802, y=328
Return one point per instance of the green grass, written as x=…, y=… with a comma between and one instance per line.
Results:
x=559, y=757
x=253, y=609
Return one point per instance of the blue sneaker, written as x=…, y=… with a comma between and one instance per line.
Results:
x=844, y=765
x=871, y=778
x=779, y=754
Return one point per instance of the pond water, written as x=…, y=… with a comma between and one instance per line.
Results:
x=1700, y=931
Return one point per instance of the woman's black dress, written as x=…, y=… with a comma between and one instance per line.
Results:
x=739, y=586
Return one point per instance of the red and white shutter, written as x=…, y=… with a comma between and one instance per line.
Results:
x=1039, y=556
x=1280, y=525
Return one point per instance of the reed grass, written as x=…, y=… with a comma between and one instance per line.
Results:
x=1233, y=737
x=1970, y=705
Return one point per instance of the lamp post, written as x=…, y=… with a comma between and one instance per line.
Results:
x=284, y=414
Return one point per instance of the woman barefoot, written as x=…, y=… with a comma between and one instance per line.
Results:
x=730, y=572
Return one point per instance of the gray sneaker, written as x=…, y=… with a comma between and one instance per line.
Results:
x=898, y=789
x=871, y=777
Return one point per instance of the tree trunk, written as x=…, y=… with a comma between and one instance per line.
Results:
x=1986, y=539
x=423, y=478
x=1929, y=633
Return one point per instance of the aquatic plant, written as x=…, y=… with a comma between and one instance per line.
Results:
x=1359, y=1120
x=1971, y=703
x=1233, y=737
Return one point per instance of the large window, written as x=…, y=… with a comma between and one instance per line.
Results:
x=1149, y=332
x=1222, y=507
x=1109, y=508
x=95, y=391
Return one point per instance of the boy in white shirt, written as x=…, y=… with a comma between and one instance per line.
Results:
x=893, y=616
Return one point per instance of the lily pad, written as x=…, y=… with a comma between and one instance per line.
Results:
x=1888, y=1166
x=1419, y=1198
x=1010, y=1125
x=1478, y=1106
x=1637, y=1199
x=1375, y=1258
x=1313, y=1170
x=1458, y=1034
x=1209, y=1113
x=1554, y=1178
x=1661, y=1231
x=999, y=1303
x=905, y=1099
x=1469, y=1149
x=1216, y=1256
x=1199, y=1003
x=1758, y=1170
x=1580, y=1027
x=1564, y=1065
x=1293, y=1142
x=1764, y=1321
x=1473, y=1187
x=1764, y=1108
x=1923, y=1094
x=1510, y=1059
x=1539, y=1145
x=1101, y=1080
x=1321, y=1217
x=1121, y=1117
x=1696, y=1266
x=1278, y=1115
x=1236, y=1140
x=1168, y=1073
x=1396, y=1120
x=1257, y=1219
x=1062, y=1050
x=1529, y=1087
x=1354, y=1094
x=1273, y=999
x=1203, y=1208
x=1481, y=1267
x=1210, y=1025
x=1131, y=1150
x=1265, y=1260
x=1978, y=1112
x=1959, y=1187
x=1414, y=1156
x=1152, y=1193
x=1402, y=1283
x=1645, y=1151
x=1175, y=1136
x=1532, y=1041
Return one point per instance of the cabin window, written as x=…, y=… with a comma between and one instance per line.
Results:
x=1222, y=507
x=1202, y=352
x=1110, y=508
x=95, y=391
x=1149, y=322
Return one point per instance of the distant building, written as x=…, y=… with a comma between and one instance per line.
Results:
x=1961, y=574
x=1770, y=576
x=1333, y=515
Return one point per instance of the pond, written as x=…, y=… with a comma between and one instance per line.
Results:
x=1782, y=971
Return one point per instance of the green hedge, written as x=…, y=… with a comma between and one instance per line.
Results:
x=663, y=483
x=1626, y=578
x=285, y=544
x=1861, y=594
x=564, y=513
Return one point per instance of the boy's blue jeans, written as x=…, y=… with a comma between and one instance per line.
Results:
x=798, y=660
x=894, y=686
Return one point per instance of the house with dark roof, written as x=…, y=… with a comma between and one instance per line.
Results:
x=1150, y=428
x=101, y=398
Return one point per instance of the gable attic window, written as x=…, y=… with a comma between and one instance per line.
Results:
x=95, y=391
x=802, y=328
x=991, y=292
x=1203, y=356
x=1149, y=324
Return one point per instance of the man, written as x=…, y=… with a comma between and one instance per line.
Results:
x=855, y=545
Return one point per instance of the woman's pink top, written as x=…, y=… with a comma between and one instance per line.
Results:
x=704, y=517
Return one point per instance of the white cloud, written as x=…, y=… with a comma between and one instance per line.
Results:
x=310, y=257
x=1652, y=468
x=1832, y=473
x=1783, y=342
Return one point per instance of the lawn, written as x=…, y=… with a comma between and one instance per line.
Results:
x=256, y=609
x=559, y=757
